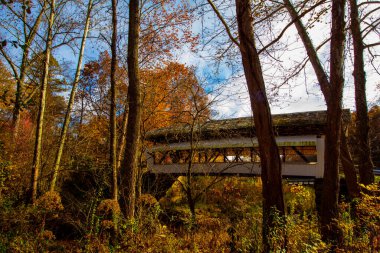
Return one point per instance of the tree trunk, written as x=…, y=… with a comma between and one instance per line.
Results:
x=362, y=120
x=329, y=211
x=66, y=121
x=113, y=135
x=269, y=154
x=17, y=108
x=133, y=129
x=348, y=168
x=331, y=89
x=311, y=52
x=188, y=187
x=121, y=150
x=41, y=111
x=23, y=68
x=191, y=203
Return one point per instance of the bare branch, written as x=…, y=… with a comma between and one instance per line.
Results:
x=224, y=23
x=11, y=64
x=369, y=2
x=372, y=45
x=289, y=25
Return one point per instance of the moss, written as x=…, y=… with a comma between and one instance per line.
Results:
x=284, y=124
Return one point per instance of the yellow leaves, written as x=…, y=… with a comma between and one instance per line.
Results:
x=47, y=235
x=96, y=129
x=108, y=207
x=147, y=200
x=360, y=221
x=107, y=224
x=369, y=207
x=49, y=202
x=300, y=199
x=7, y=90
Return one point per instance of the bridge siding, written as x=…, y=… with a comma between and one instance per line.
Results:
x=233, y=168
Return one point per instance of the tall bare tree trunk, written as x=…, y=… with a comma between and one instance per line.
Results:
x=113, y=135
x=333, y=91
x=66, y=121
x=20, y=76
x=329, y=211
x=129, y=168
x=362, y=121
x=269, y=154
x=311, y=52
x=41, y=111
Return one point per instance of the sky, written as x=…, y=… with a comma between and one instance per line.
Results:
x=233, y=99
x=231, y=95
x=302, y=94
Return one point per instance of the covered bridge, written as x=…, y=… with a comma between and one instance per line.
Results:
x=230, y=147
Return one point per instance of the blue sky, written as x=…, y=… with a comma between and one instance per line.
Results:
x=302, y=93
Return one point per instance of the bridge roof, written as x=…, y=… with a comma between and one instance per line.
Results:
x=301, y=123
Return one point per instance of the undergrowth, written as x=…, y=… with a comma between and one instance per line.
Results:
x=228, y=219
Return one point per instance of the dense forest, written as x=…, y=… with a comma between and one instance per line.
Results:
x=83, y=84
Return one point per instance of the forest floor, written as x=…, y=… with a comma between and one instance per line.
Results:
x=228, y=219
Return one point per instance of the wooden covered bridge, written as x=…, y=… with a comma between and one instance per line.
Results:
x=230, y=147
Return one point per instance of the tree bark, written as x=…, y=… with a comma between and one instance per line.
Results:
x=362, y=121
x=333, y=91
x=188, y=187
x=113, y=134
x=66, y=121
x=40, y=119
x=311, y=52
x=121, y=150
x=20, y=77
x=129, y=168
x=269, y=154
x=348, y=168
x=329, y=211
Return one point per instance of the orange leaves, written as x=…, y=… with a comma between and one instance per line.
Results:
x=165, y=27
x=169, y=95
x=96, y=129
x=6, y=88
x=170, y=92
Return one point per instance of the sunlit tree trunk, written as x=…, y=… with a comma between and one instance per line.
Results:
x=66, y=121
x=129, y=167
x=329, y=210
x=113, y=135
x=362, y=120
x=40, y=119
x=269, y=154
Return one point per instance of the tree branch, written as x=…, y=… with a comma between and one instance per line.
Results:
x=11, y=64
x=224, y=23
x=372, y=45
